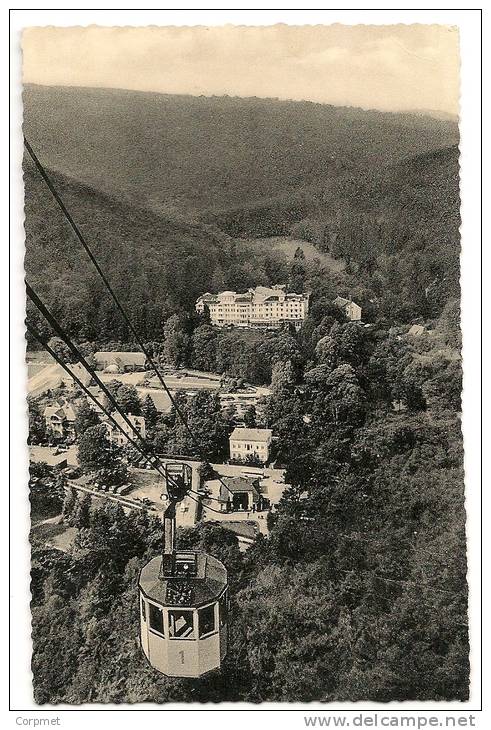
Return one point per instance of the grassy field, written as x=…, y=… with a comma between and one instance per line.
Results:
x=53, y=534
x=290, y=245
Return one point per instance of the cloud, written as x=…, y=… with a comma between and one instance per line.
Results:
x=387, y=67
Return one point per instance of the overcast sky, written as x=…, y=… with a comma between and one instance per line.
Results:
x=379, y=67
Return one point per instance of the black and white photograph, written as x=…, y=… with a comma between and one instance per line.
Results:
x=243, y=364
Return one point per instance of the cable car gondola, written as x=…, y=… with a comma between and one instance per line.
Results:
x=183, y=598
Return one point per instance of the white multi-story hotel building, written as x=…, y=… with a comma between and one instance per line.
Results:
x=259, y=307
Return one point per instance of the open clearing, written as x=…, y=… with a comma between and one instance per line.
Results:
x=47, y=377
x=290, y=245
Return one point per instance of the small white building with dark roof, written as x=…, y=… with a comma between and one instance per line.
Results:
x=351, y=309
x=246, y=442
x=234, y=494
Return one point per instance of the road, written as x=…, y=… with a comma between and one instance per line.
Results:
x=173, y=382
x=148, y=484
x=48, y=378
x=47, y=454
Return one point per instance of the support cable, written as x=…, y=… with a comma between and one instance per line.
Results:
x=205, y=496
x=157, y=464
x=116, y=300
x=204, y=506
x=149, y=458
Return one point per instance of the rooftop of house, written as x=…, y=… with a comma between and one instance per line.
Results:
x=262, y=293
x=342, y=302
x=126, y=358
x=239, y=484
x=99, y=395
x=297, y=297
x=131, y=418
x=222, y=488
x=251, y=434
x=160, y=399
x=97, y=392
x=61, y=409
x=416, y=329
x=246, y=298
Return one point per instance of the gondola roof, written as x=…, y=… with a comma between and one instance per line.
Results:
x=184, y=591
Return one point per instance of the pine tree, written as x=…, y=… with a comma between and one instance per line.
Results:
x=85, y=418
x=149, y=412
x=250, y=417
x=81, y=515
x=69, y=504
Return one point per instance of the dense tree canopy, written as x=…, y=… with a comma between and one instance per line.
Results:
x=38, y=433
x=85, y=417
x=98, y=456
x=360, y=590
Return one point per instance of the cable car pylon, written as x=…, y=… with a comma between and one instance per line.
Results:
x=183, y=598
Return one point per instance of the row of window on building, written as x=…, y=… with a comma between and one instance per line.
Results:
x=185, y=623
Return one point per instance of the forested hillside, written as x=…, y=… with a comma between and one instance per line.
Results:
x=396, y=227
x=160, y=184
x=192, y=154
x=397, y=231
x=157, y=264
